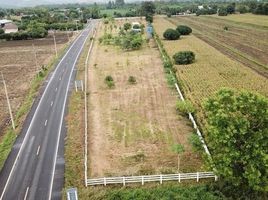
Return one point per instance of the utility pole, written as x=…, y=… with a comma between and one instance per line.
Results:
x=36, y=64
x=67, y=31
x=8, y=102
x=55, y=44
x=76, y=26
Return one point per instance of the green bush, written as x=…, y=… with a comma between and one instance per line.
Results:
x=222, y=12
x=184, y=57
x=132, y=80
x=184, y=30
x=185, y=107
x=109, y=81
x=171, y=34
x=2, y=31
x=195, y=141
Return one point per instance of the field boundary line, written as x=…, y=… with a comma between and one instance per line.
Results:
x=151, y=178
x=86, y=114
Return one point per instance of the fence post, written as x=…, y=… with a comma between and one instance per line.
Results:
x=216, y=178
x=161, y=179
x=197, y=176
x=179, y=177
x=104, y=180
x=142, y=180
x=124, y=181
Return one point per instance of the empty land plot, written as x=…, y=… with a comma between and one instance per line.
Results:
x=133, y=126
x=211, y=70
x=241, y=42
x=259, y=20
x=19, y=68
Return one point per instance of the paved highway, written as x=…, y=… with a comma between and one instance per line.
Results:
x=34, y=169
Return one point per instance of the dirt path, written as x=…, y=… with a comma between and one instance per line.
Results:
x=132, y=127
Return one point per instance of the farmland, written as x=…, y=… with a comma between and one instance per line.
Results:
x=250, y=19
x=242, y=42
x=19, y=68
x=211, y=70
x=133, y=126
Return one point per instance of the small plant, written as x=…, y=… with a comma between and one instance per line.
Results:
x=169, y=15
x=132, y=80
x=226, y=28
x=185, y=107
x=184, y=57
x=184, y=30
x=171, y=34
x=179, y=149
x=109, y=81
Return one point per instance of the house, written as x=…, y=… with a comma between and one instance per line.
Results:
x=8, y=26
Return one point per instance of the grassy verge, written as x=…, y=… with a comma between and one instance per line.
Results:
x=74, y=145
x=11, y=135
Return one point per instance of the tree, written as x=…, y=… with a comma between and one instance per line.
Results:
x=222, y=12
x=2, y=31
x=184, y=30
x=127, y=26
x=119, y=3
x=147, y=8
x=179, y=149
x=237, y=137
x=184, y=57
x=230, y=8
x=171, y=34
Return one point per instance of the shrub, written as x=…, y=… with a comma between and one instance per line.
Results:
x=184, y=30
x=185, y=107
x=2, y=31
x=169, y=15
x=184, y=57
x=132, y=80
x=109, y=81
x=195, y=141
x=171, y=34
x=149, y=18
x=225, y=28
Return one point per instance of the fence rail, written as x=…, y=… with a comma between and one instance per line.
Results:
x=150, y=178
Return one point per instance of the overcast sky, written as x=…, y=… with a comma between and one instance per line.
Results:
x=20, y=3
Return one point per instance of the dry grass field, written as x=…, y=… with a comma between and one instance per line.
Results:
x=132, y=127
x=211, y=70
x=241, y=42
x=259, y=20
x=19, y=68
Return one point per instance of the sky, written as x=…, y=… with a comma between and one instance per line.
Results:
x=21, y=3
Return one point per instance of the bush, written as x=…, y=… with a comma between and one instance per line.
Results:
x=195, y=141
x=132, y=80
x=185, y=107
x=2, y=31
x=184, y=57
x=109, y=81
x=149, y=18
x=184, y=30
x=171, y=34
x=225, y=28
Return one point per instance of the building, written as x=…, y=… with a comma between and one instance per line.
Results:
x=8, y=26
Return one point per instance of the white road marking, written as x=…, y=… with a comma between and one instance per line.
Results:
x=26, y=193
x=62, y=117
x=38, y=107
x=51, y=103
x=60, y=78
x=56, y=89
x=37, y=152
x=46, y=123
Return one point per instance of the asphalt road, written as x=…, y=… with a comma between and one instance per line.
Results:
x=34, y=169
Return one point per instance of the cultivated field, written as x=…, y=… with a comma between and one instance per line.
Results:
x=211, y=70
x=259, y=20
x=242, y=42
x=132, y=127
x=19, y=68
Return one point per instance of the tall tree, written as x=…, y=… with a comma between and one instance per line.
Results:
x=237, y=137
x=147, y=8
x=119, y=3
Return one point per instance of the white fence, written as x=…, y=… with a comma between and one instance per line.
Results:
x=151, y=178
